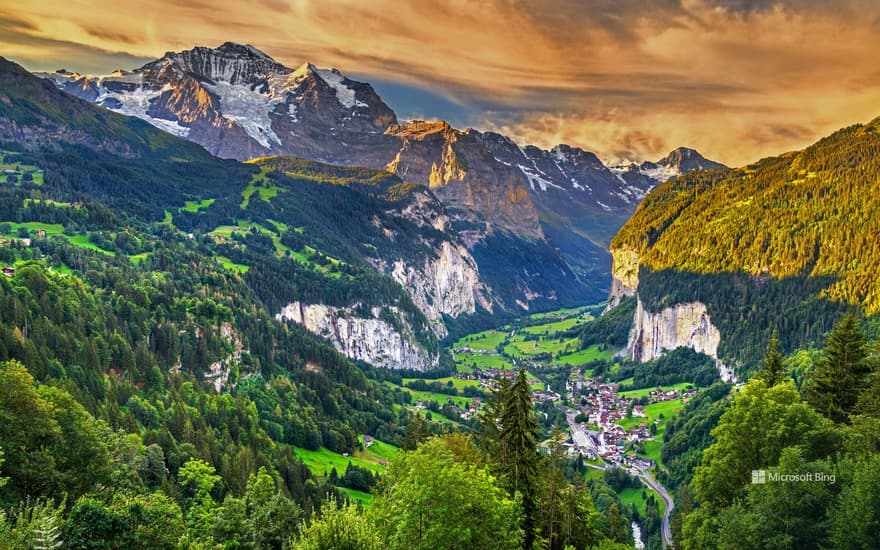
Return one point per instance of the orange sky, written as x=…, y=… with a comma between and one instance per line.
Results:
x=736, y=79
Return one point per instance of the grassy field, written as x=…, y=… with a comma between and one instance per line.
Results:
x=49, y=202
x=229, y=265
x=55, y=230
x=302, y=256
x=457, y=383
x=323, y=460
x=558, y=326
x=467, y=361
x=560, y=313
x=83, y=241
x=138, y=259
x=644, y=392
x=653, y=411
x=440, y=398
x=365, y=499
x=520, y=348
x=583, y=356
x=19, y=168
x=195, y=206
x=486, y=340
x=263, y=186
x=633, y=495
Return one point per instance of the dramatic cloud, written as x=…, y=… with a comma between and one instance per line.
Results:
x=737, y=79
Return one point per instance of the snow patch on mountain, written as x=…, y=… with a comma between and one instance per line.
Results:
x=660, y=172
x=249, y=108
x=344, y=94
x=137, y=102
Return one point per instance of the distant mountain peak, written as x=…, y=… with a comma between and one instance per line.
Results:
x=686, y=160
x=230, y=62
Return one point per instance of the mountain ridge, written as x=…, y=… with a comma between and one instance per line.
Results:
x=237, y=102
x=781, y=243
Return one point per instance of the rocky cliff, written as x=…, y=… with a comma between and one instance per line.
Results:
x=683, y=325
x=369, y=339
x=624, y=274
x=448, y=284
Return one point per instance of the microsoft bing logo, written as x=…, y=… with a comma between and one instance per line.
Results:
x=759, y=476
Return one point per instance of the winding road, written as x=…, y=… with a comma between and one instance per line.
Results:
x=666, y=531
x=581, y=438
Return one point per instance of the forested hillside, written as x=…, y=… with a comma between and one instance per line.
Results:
x=780, y=465
x=787, y=242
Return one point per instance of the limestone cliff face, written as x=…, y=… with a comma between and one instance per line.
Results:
x=683, y=325
x=624, y=274
x=372, y=339
x=447, y=284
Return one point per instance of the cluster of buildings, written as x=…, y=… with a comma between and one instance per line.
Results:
x=601, y=435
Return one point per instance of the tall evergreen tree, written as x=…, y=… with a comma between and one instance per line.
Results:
x=841, y=374
x=519, y=434
x=416, y=433
x=772, y=370
x=489, y=421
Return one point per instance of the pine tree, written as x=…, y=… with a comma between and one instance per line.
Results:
x=416, y=433
x=519, y=434
x=841, y=374
x=772, y=370
x=489, y=421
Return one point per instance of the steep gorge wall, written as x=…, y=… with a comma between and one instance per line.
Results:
x=682, y=325
x=372, y=340
x=654, y=333
x=448, y=284
x=624, y=275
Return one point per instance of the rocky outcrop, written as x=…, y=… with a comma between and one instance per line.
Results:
x=369, y=339
x=448, y=284
x=624, y=275
x=683, y=325
x=464, y=175
x=219, y=371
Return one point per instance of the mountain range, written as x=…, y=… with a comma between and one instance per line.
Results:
x=239, y=103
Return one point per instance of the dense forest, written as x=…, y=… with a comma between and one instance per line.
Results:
x=785, y=242
x=777, y=465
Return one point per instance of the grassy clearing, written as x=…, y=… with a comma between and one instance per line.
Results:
x=520, y=348
x=558, y=326
x=634, y=496
x=457, y=383
x=486, y=340
x=323, y=460
x=365, y=499
x=138, y=259
x=560, y=313
x=55, y=230
x=18, y=170
x=645, y=392
x=668, y=409
x=593, y=473
x=263, y=186
x=432, y=416
x=195, y=206
x=583, y=356
x=48, y=202
x=229, y=265
x=302, y=256
x=83, y=241
x=467, y=361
